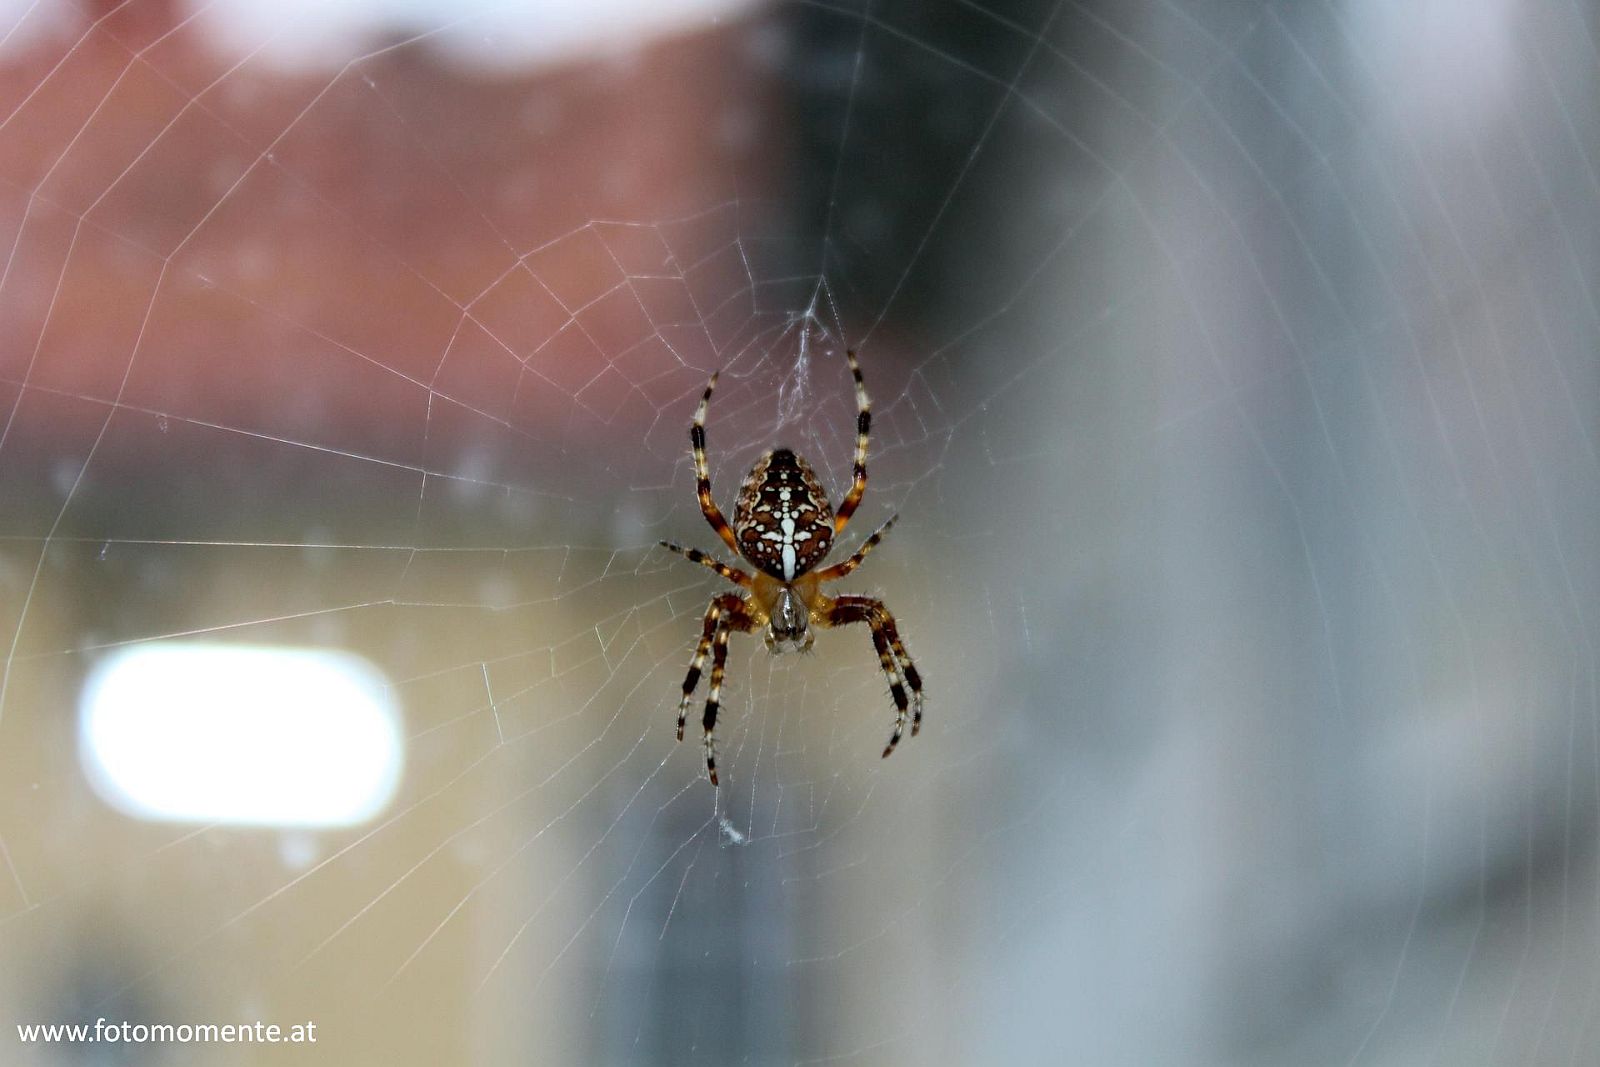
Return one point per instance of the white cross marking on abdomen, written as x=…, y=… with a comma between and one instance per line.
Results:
x=787, y=523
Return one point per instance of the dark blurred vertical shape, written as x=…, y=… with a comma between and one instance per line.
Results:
x=889, y=99
x=984, y=177
x=707, y=980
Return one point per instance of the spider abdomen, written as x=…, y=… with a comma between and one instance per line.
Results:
x=783, y=521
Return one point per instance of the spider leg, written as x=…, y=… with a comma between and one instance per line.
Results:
x=839, y=570
x=694, y=555
x=909, y=669
x=702, y=473
x=891, y=656
x=852, y=500
x=719, y=658
x=721, y=605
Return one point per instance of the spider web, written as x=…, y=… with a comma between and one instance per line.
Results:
x=1233, y=376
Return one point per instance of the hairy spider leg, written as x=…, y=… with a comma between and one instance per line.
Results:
x=702, y=473
x=891, y=653
x=839, y=570
x=725, y=604
x=719, y=659
x=852, y=500
x=694, y=555
x=913, y=679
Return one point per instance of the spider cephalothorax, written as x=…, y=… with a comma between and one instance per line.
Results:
x=784, y=526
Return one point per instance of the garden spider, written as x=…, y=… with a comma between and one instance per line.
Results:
x=784, y=526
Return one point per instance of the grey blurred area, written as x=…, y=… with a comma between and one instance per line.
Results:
x=1234, y=376
x=1289, y=482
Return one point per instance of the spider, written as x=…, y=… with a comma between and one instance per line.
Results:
x=784, y=526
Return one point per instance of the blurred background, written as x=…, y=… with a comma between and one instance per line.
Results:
x=1234, y=376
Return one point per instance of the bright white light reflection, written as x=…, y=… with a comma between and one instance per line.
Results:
x=258, y=736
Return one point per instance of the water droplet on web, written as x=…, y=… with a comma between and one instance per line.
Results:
x=731, y=834
x=104, y=548
x=161, y=423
